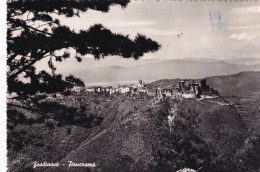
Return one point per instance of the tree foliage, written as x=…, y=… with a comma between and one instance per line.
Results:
x=35, y=33
x=75, y=81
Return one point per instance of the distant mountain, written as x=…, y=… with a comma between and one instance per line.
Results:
x=241, y=84
x=165, y=82
x=165, y=69
x=244, y=61
x=240, y=61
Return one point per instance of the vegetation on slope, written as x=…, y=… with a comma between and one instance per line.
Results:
x=132, y=135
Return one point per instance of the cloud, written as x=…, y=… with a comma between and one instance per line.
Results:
x=242, y=37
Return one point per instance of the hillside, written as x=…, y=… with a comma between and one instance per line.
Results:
x=120, y=133
x=163, y=82
x=243, y=89
x=241, y=84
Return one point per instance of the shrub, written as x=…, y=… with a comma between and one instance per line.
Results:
x=50, y=125
x=68, y=130
x=66, y=93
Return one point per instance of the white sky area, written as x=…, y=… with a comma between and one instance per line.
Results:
x=211, y=30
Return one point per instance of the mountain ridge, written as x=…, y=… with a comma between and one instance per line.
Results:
x=167, y=70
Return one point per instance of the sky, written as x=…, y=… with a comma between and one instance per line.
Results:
x=194, y=30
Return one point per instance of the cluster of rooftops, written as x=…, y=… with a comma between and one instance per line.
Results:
x=140, y=88
x=183, y=89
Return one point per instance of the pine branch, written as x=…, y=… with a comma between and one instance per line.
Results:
x=25, y=26
x=15, y=74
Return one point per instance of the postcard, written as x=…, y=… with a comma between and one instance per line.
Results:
x=141, y=85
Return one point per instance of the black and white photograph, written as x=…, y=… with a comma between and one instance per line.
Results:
x=132, y=85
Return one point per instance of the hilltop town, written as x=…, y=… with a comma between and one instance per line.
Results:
x=187, y=88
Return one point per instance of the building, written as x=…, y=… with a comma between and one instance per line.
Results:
x=142, y=90
x=186, y=89
x=77, y=89
x=90, y=90
x=124, y=90
x=207, y=91
x=190, y=88
x=141, y=83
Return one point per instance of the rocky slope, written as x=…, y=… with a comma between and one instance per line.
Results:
x=134, y=135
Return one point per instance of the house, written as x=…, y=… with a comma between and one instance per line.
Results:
x=168, y=91
x=142, y=90
x=90, y=90
x=117, y=90
x=163, y=92
x=94, y=89
x=188, y=94
x=134, y=90
x=108, y=88
x=77, y=89
x=111, y=91
x=124, y=90
x=98, y=89
x=103, y=89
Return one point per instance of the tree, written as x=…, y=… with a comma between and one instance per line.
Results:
x=74, y=80
x=34, y=33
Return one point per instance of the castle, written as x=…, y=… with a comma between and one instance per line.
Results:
x=187, y=89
